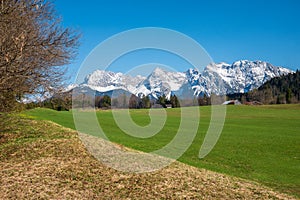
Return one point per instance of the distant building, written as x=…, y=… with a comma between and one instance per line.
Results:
x=232, y=102
x=168, y=105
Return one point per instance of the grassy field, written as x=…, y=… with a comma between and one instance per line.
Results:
x=257, y=143
x=43, y=160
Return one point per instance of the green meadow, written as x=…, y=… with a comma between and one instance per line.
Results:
x=259, y=143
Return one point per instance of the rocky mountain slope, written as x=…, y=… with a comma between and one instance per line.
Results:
x=222, y=78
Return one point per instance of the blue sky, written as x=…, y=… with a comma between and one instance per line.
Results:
x=229, y=30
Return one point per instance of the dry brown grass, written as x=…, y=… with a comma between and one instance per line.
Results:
x=41, y=160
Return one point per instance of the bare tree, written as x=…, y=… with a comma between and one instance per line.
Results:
x=34, y=48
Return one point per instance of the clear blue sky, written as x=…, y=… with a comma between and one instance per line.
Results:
x=229, y=30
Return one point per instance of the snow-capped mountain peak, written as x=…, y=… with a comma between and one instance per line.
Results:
x=161, y=82
x=218, y=78
x=244, y=75
x=104, y=81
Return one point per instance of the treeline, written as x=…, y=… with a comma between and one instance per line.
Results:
x=60, y=102
x=134, y=102
x=278, y=90
x=106, y=102
x=172, y=102
x=63, y=102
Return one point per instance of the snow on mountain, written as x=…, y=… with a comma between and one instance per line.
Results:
x=70, y=87
x=240, y=77
x=161, y=82
x=221, y=78
x=103, y=81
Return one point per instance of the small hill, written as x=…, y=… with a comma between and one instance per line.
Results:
x=40, y=159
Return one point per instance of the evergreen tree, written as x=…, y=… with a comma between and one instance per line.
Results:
x=146, y=102
x=162, y=100
x=133, y=101
x=288, y=95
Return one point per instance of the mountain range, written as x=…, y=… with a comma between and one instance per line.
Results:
x=216, y=78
